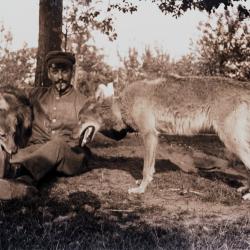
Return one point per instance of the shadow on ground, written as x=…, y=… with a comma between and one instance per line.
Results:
x=78, y=223
x=134, y=166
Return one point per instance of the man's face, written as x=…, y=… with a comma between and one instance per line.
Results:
x=60, y=75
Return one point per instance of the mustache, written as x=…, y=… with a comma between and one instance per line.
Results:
x=60, y=82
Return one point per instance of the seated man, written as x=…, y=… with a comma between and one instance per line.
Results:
x=50, y=146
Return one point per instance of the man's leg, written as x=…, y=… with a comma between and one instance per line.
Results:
x=53, y=155
x=75, y=160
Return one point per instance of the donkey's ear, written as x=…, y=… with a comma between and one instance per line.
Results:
x=104, y=92
x=99, y=94
x=4, y=105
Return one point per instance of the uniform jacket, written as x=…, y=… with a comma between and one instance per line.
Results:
x=55, y=115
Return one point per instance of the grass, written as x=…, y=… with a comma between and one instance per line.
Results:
x=68, y=216
x=57, y=224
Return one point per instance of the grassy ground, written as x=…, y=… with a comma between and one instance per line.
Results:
x=183, y=208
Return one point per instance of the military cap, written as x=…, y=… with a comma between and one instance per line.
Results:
x=60, y=57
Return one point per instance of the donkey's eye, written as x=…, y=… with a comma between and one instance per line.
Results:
x=3, y=135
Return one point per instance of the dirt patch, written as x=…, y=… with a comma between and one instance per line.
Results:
x=192, y=202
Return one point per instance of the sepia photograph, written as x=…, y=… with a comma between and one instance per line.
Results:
x=125, y=124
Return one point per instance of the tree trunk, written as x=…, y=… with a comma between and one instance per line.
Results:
x=50, y=36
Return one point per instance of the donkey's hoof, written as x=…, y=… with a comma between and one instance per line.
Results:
x=243, y=189
x=136, y=190
x=246, y=197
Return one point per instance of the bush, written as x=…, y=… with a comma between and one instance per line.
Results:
x=17, y=68
x=225, y=49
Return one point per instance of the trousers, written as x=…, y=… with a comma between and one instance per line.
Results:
x=56, y=154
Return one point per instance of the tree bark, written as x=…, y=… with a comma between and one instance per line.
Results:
x=50, y=36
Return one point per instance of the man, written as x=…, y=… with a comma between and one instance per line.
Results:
x=51, y=147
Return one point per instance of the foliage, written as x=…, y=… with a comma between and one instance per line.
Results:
x=152, y=64
x=125, y=7
x=81, y=18
x=225, y=48
x=16, y=67
x=87, y=15
x=178, y=8
x=131, y=70
x=155, y=63
x=187, y=65
x=222, y=50
x=91, y=70
x=5, y=39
